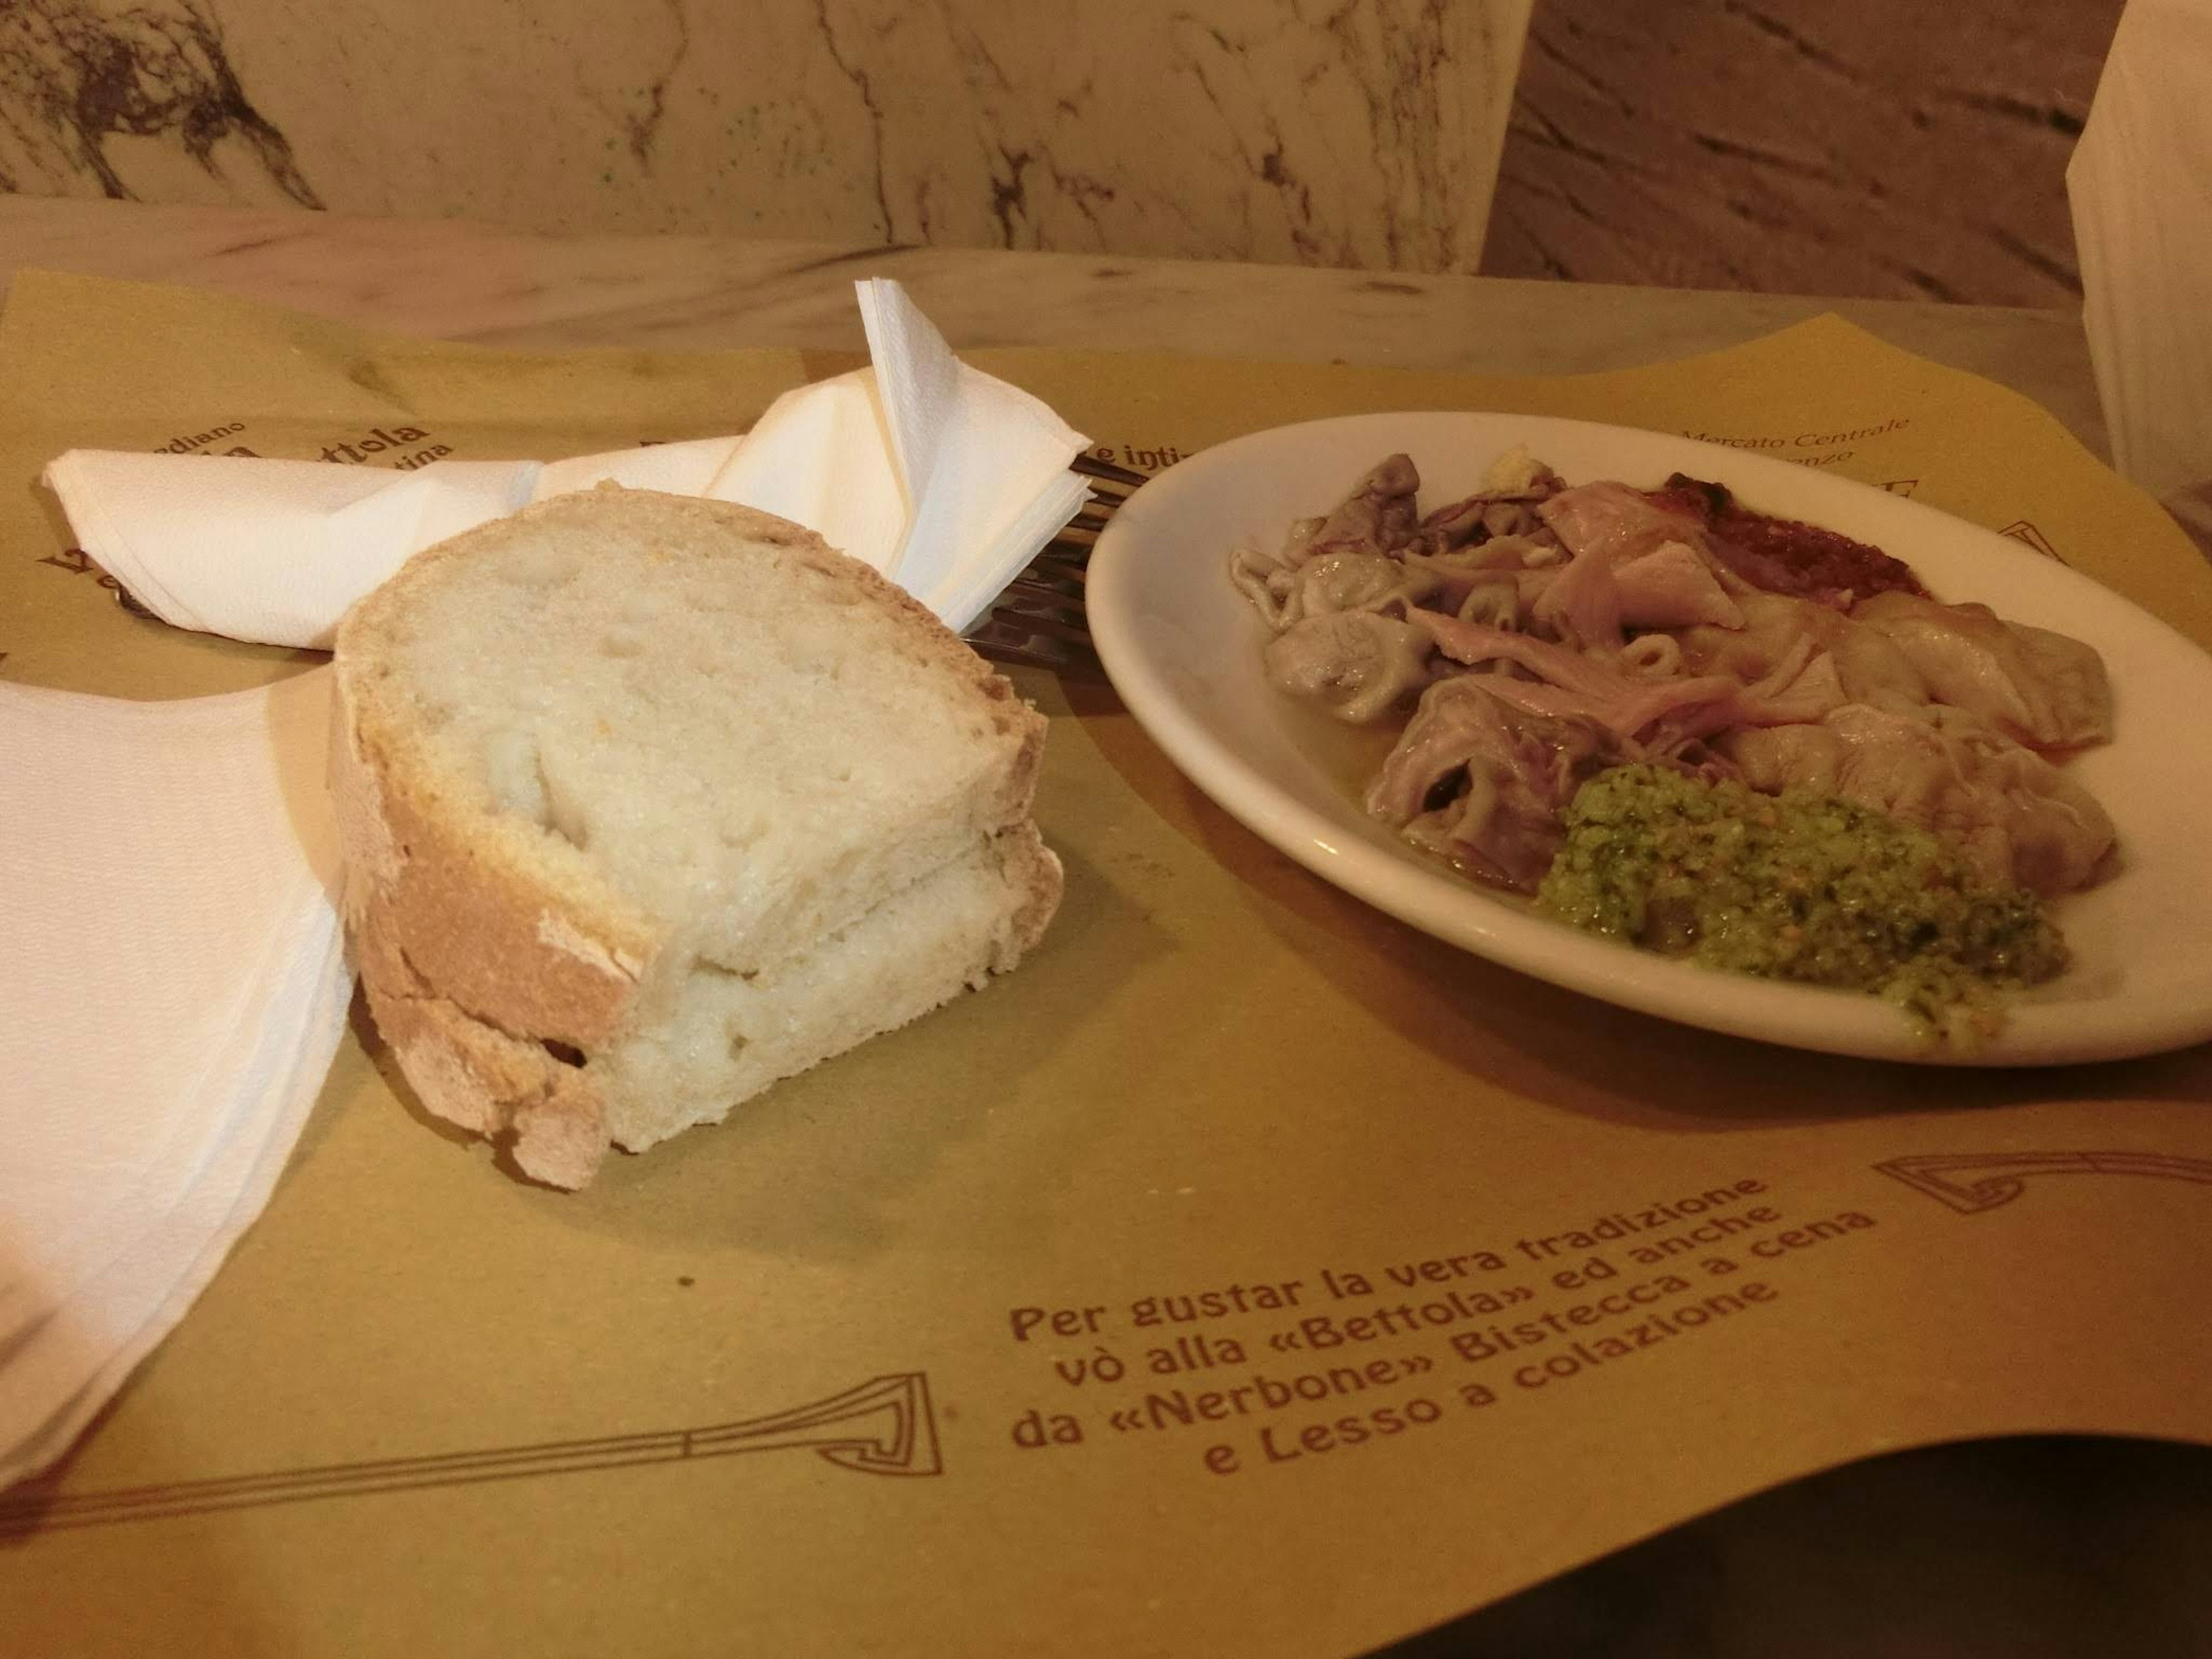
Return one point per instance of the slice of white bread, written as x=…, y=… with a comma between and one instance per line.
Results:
x=649, y=801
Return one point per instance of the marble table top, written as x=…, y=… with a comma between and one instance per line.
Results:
x=2047, y=1547
x=459, y=281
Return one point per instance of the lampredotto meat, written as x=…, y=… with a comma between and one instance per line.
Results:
x=1549, y=629
x=1785, y=555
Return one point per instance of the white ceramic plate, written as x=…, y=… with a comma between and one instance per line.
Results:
x=1182, y=647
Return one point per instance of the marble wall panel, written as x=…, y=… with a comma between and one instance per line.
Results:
x=1348, y=132
x=1877, y=148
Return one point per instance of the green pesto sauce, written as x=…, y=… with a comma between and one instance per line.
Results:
x=1798, y=886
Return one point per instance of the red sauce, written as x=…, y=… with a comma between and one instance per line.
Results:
x=1783, y=556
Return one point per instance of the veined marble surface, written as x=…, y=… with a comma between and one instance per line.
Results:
x=457, y=281
x=1310, y=131
x=1883, y=148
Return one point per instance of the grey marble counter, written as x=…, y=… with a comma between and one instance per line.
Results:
x=2052, y=1547
x=464, y=281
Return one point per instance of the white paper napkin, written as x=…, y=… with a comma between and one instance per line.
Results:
x=985, y=464
x=944, y=479
x=176, y=988
x=2140, y=184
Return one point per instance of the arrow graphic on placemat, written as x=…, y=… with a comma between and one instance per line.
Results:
x=885, y=1426
x=1971, y=1182
x=2028, y=536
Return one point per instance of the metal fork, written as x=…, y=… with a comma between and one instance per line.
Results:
x=1038, y=621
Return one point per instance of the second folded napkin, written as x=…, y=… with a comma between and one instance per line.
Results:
x=946, y=480
x=176, y=989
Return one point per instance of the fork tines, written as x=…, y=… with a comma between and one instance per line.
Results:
x=1038, y=620
x=1091, y=466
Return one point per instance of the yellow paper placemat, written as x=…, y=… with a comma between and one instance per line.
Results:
x=1247, y=1274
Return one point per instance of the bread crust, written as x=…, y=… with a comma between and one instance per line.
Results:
x=490, y=977
x=475, y=926
x=480, y=1078
x=508, y=1088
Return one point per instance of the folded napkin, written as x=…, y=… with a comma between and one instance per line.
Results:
x=176, y=989
x=944, y=479
x=2140, y=184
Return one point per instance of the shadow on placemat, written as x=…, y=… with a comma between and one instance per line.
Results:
x=2038, y=1547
